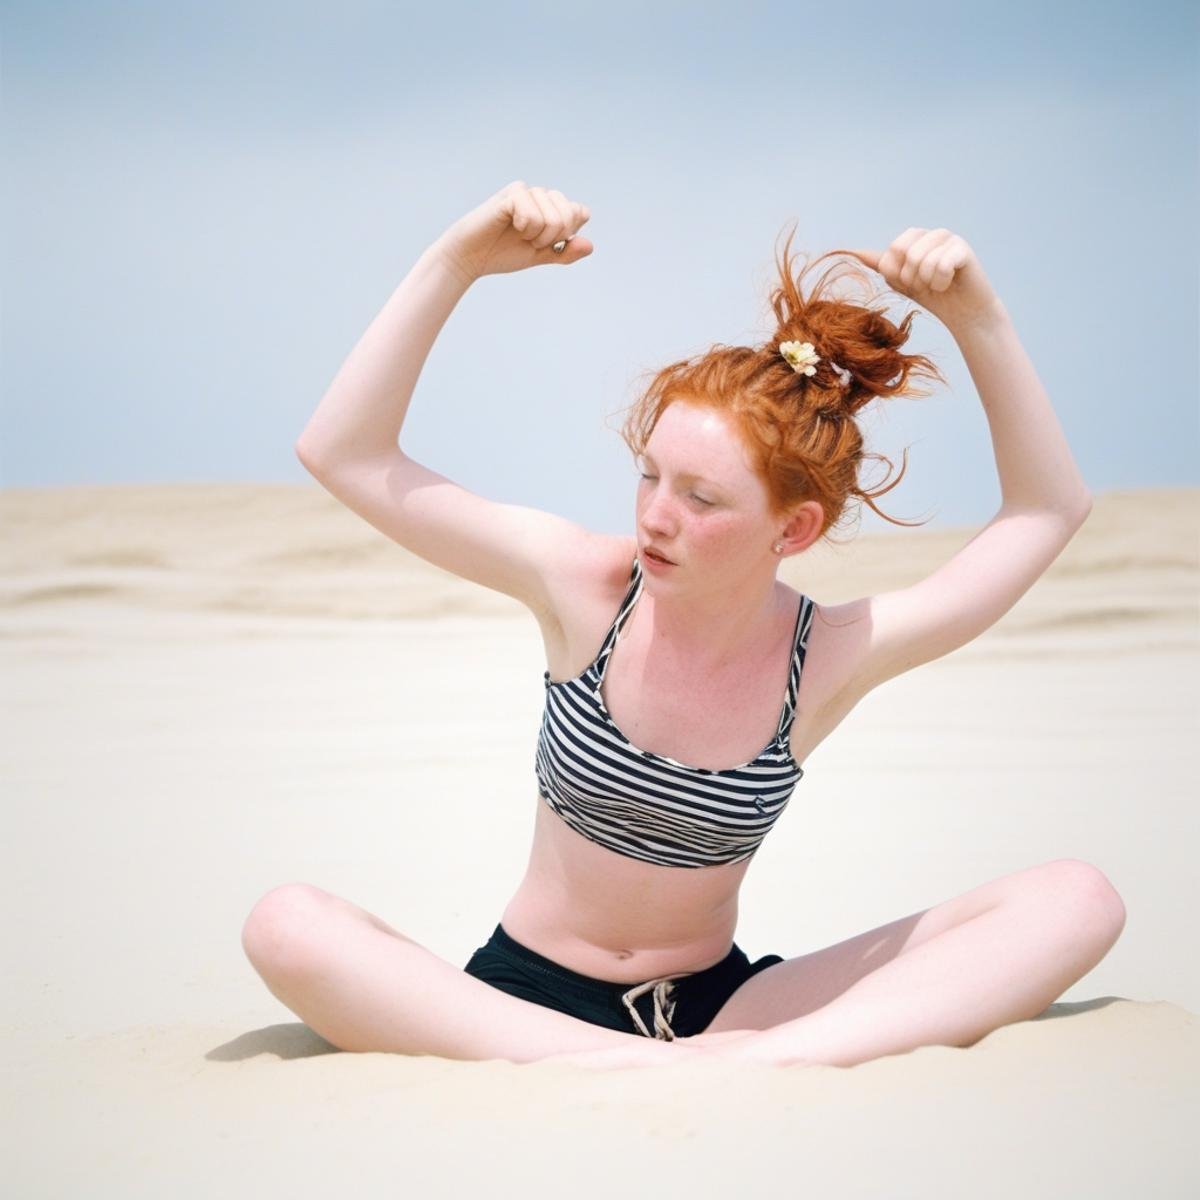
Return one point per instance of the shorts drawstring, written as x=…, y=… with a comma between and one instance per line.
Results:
x=663, y=999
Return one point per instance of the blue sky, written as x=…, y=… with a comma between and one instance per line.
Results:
x=206, y=204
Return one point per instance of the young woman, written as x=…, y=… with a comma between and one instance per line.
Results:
x=673, y=655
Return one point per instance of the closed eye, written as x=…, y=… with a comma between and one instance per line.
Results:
x=698, y=499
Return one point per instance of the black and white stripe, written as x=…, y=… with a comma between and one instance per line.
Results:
x=647, y=805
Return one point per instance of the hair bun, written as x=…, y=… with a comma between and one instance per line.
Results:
x=798, y=439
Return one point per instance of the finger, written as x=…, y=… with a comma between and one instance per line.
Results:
x=566, y=213
x=950, y=260
x=563, y=237
x=918, y=251
x=914, y=254
x=931, y=272
x=540, y=214
x=528, y=220
x=512, y=191
x=869, y=258
x=959, y=252
x=510, y=197
x=580, y=216
x=576, y=248
x=551, y=229
x=895, y=256
x=559, y=205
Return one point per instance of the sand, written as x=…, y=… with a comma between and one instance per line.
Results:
x=215, y=689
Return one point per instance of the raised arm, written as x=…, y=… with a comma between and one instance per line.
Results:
x=1044, y=500
x=351, y=442
x=361, y=415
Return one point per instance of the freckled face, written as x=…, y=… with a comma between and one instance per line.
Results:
x=699, y=501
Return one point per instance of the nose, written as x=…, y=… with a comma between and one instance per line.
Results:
x=656, y=516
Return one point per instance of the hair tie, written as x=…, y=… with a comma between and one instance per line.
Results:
x=803, y=359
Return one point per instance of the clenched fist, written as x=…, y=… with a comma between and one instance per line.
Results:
x=939, y=270
x=514, y=229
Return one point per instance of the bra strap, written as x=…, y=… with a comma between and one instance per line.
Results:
x=799, y=650
x=614, y=630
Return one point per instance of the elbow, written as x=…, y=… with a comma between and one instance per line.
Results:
x=307, y=457
x=1074, y=507
x=1076, y=514
x=306, y=451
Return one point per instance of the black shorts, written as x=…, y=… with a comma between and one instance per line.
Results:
x=660, y=1008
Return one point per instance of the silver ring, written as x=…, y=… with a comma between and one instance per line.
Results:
x=559, y=247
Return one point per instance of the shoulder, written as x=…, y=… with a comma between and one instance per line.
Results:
x=585, y=587
x=614, y=556
x=830, y=685
x=836, y=631
x=607, y=567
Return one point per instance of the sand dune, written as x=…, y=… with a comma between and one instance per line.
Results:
x=214, y=689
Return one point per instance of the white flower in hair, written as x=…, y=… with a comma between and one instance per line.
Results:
x=801, y=355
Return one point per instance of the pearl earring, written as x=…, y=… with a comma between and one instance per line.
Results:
x=778, y=547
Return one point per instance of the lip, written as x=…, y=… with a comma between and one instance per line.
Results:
x=657, y=562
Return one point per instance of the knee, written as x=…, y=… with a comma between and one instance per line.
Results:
x=280, y=931
x=1089, y=893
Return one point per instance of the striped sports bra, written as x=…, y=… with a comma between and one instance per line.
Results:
x=650, y=806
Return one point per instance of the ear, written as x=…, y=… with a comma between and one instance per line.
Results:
x=803, y=527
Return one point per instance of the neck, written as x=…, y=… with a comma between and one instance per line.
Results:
x=707, y=632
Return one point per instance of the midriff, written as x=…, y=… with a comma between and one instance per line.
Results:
x=670, y=919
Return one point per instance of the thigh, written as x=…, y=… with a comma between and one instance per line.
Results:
x=363, y=985
x=797, y=986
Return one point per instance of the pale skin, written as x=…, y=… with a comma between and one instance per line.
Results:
x=945, y=975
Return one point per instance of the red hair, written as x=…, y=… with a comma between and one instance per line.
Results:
x=799, y=430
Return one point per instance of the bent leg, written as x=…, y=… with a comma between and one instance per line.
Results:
x=799, y=986
x=1005, y=964
x=363, y=986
